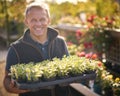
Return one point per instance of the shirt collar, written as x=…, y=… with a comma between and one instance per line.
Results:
x=52, y=34
x=29, y=39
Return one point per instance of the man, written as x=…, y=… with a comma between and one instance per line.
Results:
x=38, y=43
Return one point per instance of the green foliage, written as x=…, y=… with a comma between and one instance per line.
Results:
x=72, y=49
x=99, y=7
x=55, y=14
x=11, y=18
x=106, y=8
x=100, y=38
x=48, y=69
x=107, y=80
x=13, y=10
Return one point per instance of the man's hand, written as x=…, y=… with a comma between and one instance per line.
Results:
x=13, y=86
x=10, y=85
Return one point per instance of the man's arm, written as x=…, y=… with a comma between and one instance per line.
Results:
x=10, y=85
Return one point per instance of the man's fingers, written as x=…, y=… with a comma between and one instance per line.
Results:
x=12, y=83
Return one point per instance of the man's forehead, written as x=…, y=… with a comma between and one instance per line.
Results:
x=34, y=10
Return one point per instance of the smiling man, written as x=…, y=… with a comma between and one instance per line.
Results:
x=37, y=20
x=39, y=42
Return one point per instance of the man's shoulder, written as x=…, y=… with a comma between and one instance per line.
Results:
x=61, y=38
x=17, y=42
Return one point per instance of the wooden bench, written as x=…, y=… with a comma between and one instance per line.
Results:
x=83, y=89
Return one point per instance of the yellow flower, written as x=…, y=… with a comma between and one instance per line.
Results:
x=110, y=76
x=103, y=75
x=117, y=79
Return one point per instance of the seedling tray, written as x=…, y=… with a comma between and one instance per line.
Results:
x=48, y=84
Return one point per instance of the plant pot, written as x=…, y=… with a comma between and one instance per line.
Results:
x=115, y=33
x=97, y=88
x=116, y=91
x=89, y=71
x=108, y=91
x=21, y=80
x=75, y=74
x=49, y=79
x=64, y=77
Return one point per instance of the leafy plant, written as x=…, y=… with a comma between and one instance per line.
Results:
x=65, y=67
x=49, y=70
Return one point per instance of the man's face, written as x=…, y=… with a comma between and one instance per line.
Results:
x=37, y=21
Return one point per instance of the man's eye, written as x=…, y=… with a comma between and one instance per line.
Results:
x=33, y=20
x=42, y=20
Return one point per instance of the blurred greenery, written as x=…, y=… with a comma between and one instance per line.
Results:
x=107, y=7
x=11, y=18
x=12, y=13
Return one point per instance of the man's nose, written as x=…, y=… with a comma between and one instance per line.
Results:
x=38, y=23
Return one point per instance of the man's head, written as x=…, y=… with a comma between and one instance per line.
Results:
x=37, y=18
x=39, y=5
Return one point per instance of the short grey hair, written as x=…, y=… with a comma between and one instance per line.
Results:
x=40, y=5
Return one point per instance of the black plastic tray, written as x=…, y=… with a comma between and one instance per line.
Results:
x=45, y=84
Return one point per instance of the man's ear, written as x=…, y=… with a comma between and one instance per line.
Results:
x=49, y=21
x=26, y=22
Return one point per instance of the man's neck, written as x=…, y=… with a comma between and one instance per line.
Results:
x=39, y=39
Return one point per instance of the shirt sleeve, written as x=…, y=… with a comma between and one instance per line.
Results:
x=11, y=58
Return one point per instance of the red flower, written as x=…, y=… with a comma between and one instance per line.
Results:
x=110, y=22
x=100, y=64
x=88, y=45
x=69, y=43
x=113, y=18
x=94, y=56
x=89, y=55
x=81, y=54
x=91, y=18
x=106, y=18
x=78, y=34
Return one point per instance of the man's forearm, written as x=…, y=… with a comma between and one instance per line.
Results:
x=10, y=87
